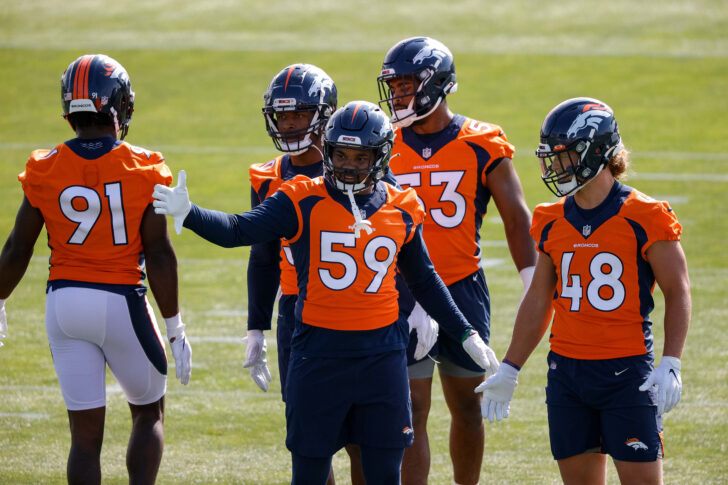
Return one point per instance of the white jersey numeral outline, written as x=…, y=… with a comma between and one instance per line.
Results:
x=571, y=283
x=87, y=218
x=351, y=269
x=451, y=179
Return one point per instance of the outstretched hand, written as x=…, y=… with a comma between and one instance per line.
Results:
x=174, y=202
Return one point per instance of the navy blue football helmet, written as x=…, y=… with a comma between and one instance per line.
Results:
x=587, y=128
x=428, y=66
x=98, y=84
x=299, y=87
x=359, y=125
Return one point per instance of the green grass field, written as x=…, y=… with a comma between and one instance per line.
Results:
x=199, y=70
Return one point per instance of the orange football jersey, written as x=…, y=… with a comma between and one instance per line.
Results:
x=93, y=209
x=449, y=170
x=266, y=179
x=604, y=290
x=341, y=267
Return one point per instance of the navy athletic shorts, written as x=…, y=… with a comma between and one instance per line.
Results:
x=596, y=406
x=331, y=402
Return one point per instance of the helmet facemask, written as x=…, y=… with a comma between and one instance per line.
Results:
x=566, y=169
x=424, y=98
x=296, y=142
x=356, y=180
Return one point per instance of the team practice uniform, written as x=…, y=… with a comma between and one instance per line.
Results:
x=601, y=339
x=448, y=170
x=271, y=262
x=347, y=380
x=92, y=195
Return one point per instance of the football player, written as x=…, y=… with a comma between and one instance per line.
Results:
x=602, y=247
x=92, y=193
x=347, y=230
x=456, y=164
x=298, y=102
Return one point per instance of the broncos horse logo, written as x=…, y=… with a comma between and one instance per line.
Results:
x=428, y=52
x=320, y=84
x=591, y=118
x=636, y=444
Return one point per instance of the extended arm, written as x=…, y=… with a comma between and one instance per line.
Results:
x=273, y=219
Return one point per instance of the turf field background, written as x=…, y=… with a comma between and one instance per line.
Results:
x=199, y=70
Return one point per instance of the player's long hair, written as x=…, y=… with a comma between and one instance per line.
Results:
x=619, y=164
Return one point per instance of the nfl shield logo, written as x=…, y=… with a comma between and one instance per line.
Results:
x=586, y=230
x=426, y=152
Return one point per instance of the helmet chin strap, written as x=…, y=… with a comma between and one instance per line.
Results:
x=409, y=114
x=359, y=224
x=572, y=187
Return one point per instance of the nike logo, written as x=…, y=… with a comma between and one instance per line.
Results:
x=621, y=372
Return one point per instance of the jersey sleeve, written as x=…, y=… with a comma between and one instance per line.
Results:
x=543, y=218
x=660, y=223
x=30, y=178
x=495, y=142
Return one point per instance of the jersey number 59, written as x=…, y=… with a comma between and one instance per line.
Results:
x=351, y=268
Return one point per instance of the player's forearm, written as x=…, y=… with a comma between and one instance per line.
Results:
x=677, y=320
x=263, y=280
x=520, y=244
x=14, y=261
x=161, y=268
x=217, y=227
x=532, y=321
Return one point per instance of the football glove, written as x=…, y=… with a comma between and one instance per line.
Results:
x=3, y=322
x=173, y=202
x=497, y=393
x=426, y=329
x=180, y=348
x=666, y=377
x=255, y=358
x=480, y=353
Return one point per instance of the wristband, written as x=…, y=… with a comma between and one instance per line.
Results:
x=517, y=367
x=175, y=327
x=526, y=276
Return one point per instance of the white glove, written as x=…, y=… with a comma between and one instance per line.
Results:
x=497, y=393
x=173, y=202
x=255, y=361
x=3, y=322
x=666, y=377
x=426, y=329
x=180, y=348
x=480, y=353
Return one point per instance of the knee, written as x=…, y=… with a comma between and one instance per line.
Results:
x=468, y=413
